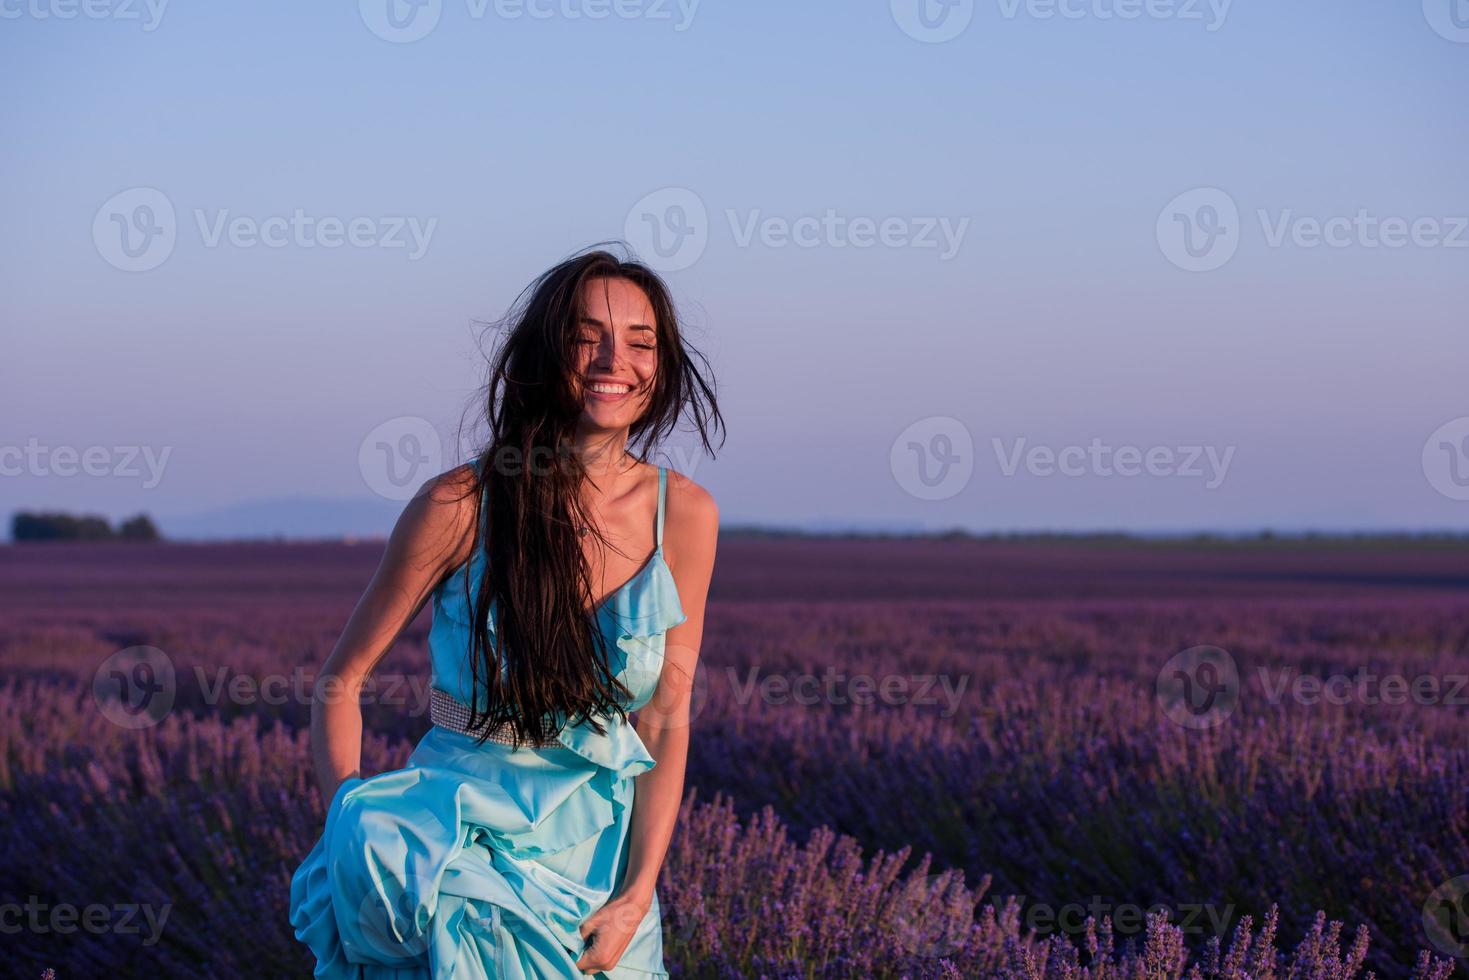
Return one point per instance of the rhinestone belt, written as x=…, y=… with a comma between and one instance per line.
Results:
x=449, y=712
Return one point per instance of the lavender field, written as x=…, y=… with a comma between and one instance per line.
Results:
x=942, y=758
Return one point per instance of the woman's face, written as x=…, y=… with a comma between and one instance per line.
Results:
x=617, y=353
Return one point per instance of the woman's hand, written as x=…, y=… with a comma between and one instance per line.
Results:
x=609, y=930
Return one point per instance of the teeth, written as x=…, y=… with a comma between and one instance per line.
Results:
x=611, y=389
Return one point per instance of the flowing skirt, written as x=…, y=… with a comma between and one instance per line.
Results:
x=475, y=861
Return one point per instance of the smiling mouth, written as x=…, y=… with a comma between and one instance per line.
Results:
x=609, y=393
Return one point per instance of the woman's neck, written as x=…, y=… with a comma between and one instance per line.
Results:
x=605, y=458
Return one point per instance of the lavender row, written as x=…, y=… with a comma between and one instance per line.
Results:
x=197, y=822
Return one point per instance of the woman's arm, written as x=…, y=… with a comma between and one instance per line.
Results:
x=432, y=537
x=692, y=526
x=663, y=723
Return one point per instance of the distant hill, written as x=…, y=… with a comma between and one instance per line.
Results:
x=307, y=518
x=287, y=517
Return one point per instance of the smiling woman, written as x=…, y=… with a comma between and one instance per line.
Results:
x=525, y=835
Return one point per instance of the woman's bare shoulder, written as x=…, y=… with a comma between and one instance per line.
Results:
x=690, y=514
x=440, y=518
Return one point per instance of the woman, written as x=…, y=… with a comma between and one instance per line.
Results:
x=524, y=836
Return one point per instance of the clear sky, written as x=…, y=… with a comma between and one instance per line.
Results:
x=1047, y=228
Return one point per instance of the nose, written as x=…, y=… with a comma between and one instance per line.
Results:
x=606, y=351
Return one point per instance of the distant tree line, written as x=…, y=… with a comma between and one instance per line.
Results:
x=86, y=527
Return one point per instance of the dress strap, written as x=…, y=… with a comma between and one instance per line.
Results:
x=662, y=495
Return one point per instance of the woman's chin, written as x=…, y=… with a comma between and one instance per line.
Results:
x=593, y=420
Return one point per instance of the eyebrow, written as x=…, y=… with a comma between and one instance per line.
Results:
x=593, y=321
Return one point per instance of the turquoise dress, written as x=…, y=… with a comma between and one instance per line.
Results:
x=482, y=860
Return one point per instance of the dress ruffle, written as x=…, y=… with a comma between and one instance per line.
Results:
x=474, y=861
x=635, y=618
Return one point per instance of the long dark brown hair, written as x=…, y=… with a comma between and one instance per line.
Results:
x=530, y=481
